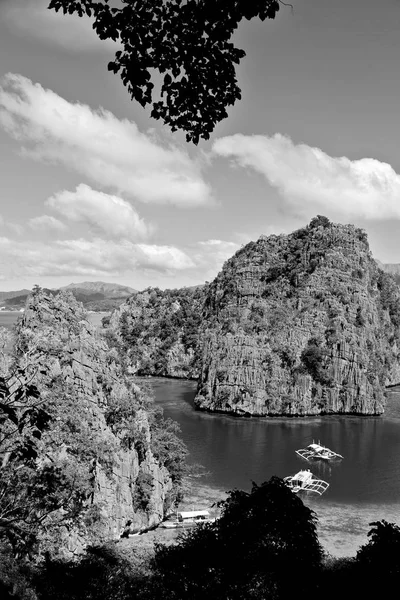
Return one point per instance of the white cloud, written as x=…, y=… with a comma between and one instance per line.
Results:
x=165, y=257
x=210, y=256
x=70, y=32
x=220, y=247
x=169, y=266
x=15, y=227
x=111, y=152
x=310, y=180
x=101, y=211
x=97, y=257
x=272, y=229
x=45, y=222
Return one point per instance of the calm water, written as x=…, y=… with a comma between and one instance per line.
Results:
x=237, y=451
x=8, y=318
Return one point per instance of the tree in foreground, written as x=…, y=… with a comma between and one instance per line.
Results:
x=188, y=42
x=378, y=561
x=264, y=545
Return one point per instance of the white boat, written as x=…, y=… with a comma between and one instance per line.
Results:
x=318, y=452
x=188, y=519
x=304, y=481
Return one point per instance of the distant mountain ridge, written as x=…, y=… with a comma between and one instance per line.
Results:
x=109, y=290
x=94, y=295
x=15, y=294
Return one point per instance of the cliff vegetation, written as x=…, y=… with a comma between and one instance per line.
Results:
x=299, y=324
x=159, y=331
x=84, y=454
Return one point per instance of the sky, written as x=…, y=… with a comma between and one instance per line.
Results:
x=91, y=188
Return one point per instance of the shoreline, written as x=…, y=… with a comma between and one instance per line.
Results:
x=342, y=528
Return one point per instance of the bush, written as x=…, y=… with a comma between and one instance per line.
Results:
x=143, y=491
x=312, y=358
x=260, y=537
x=360, y=318
x=319, y=221
x=101, y=574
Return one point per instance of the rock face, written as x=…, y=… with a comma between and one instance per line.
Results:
x=160, y=331
x=80, y=375
x=302, y=324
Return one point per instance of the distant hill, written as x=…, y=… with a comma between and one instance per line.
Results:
x=17, y=302
x=8, y=295
x=108, y=290
x=94, y=295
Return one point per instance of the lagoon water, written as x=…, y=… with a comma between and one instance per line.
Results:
x=8, y=318
x=237, y=451
x=364, y=487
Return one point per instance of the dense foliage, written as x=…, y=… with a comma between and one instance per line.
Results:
x=264, y=546
x=246, y=552
x=188, y=42
x=67, y=411
x=304, y=323
x=160, y=331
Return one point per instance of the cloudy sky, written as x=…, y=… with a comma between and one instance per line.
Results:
x=93, y=189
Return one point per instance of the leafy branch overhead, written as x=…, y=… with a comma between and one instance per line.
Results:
x=187, y=42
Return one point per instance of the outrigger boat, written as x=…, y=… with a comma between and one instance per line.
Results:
x=304, y=481
x=316, y=452
x=188, y=519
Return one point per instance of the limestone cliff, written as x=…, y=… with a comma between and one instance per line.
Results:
x=301, y=324
x=159, y=331
x=100, y=422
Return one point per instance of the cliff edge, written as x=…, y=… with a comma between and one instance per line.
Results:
x=301, y=324
x=99, y=434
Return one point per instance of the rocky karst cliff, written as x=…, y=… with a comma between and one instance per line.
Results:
x=298, y=324
x=99, y=422
x=301, y=324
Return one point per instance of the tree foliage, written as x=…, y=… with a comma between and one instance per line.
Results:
x=188, y=42
x=247, y=552
x=382, y=552
x=103, y=573
x=157, y=323
x=313, y=359
x=67, y=412
x=38, y=479
x=166, y=445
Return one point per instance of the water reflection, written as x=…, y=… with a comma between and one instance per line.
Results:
x=237, y=451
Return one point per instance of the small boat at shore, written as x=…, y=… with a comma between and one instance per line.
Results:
x=317, y=452
x=187, y=519
x=304, y=481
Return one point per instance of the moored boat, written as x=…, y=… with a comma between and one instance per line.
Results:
x=317, y=452
x=188, y=519
x=304, y=481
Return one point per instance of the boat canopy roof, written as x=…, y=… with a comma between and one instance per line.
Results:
x=194, y=513
x=303, y=475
